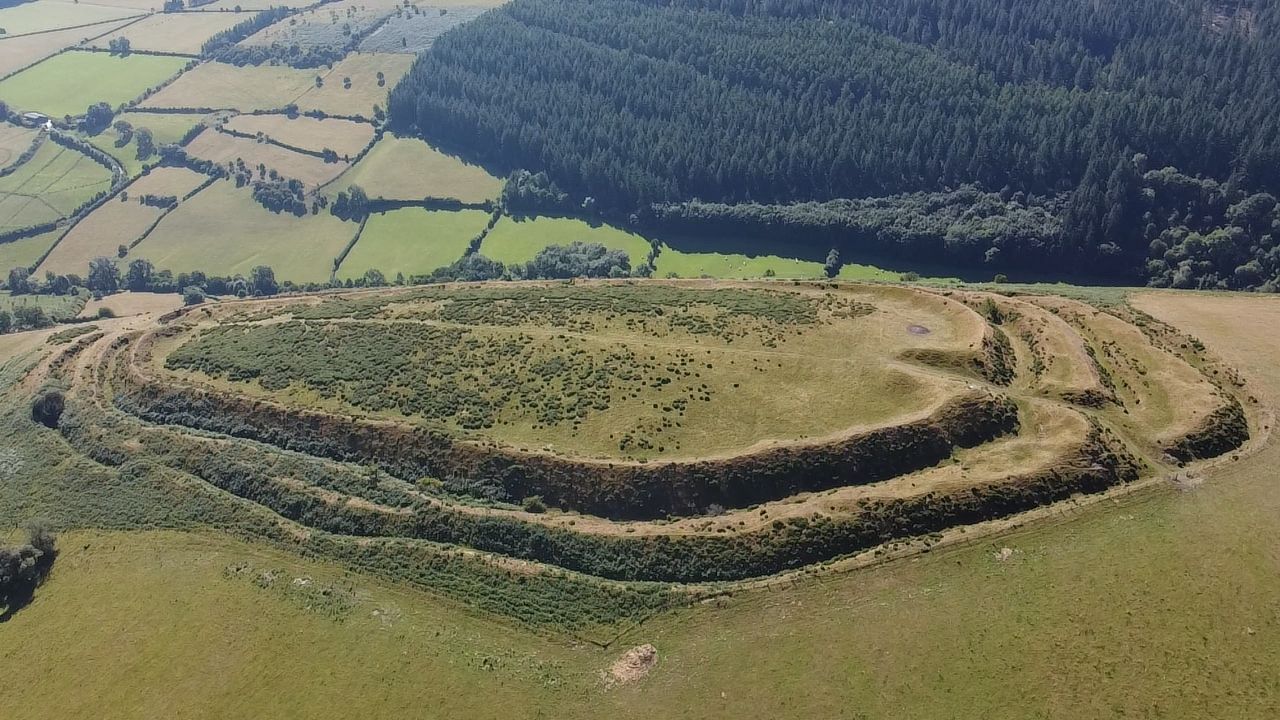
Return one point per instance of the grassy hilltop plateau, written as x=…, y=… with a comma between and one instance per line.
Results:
x=615, y=358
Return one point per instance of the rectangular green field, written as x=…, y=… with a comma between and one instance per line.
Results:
x=174, y=32
x=165, y=128
x=58, y=307
x=410, y=169
x=25, y=252
x=227, y=87
x=513, y=241
x=412, y=241
x=53, y=14
x=69, y=83
x=51, y=185
x=673, y=263
x=222, y=230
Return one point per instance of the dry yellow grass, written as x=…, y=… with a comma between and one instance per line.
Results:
x=364, y=93
x=222, y=148
x=99, y=235
x=221, y=86
x=14, y=140
x=127, y=304
x=173, y=32
x=1163, y=397
x=177, y=181
x=342, y=136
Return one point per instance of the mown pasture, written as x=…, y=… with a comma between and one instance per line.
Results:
x=14, y=141
x=50, y=186
x=409, y=169
x=517, y=240
x=166, y=128
x=174, y=32
x=344, y=137
x=57, y=307
x=176, y=181
x=226, y=87
x=335, y=98
x=236, y=234
x=223, y=148
x=17, y=53
x=24, y=252
x=69, y=83
x=412, y=241
x=42, y=15
x=100, y=234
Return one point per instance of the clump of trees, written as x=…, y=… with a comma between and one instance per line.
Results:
x=279, y=194
x=97, y=118
x=350, y=204
x=578, y=259
x=528, y=191
x=222, y=45
x=24, y=567
x=119, y=46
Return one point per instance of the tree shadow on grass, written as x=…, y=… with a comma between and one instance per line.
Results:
x=18, y=589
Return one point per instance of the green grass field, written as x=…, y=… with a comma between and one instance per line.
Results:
x=52, y=14
x=165, y=127
x=223, y=231
x=674, y=263
x=50, y=186
x=69, y=83
x=409, y=169
x=58, y=307
x=413, y=241
x=515, y=240
x=25, y=252
x=17, y=53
